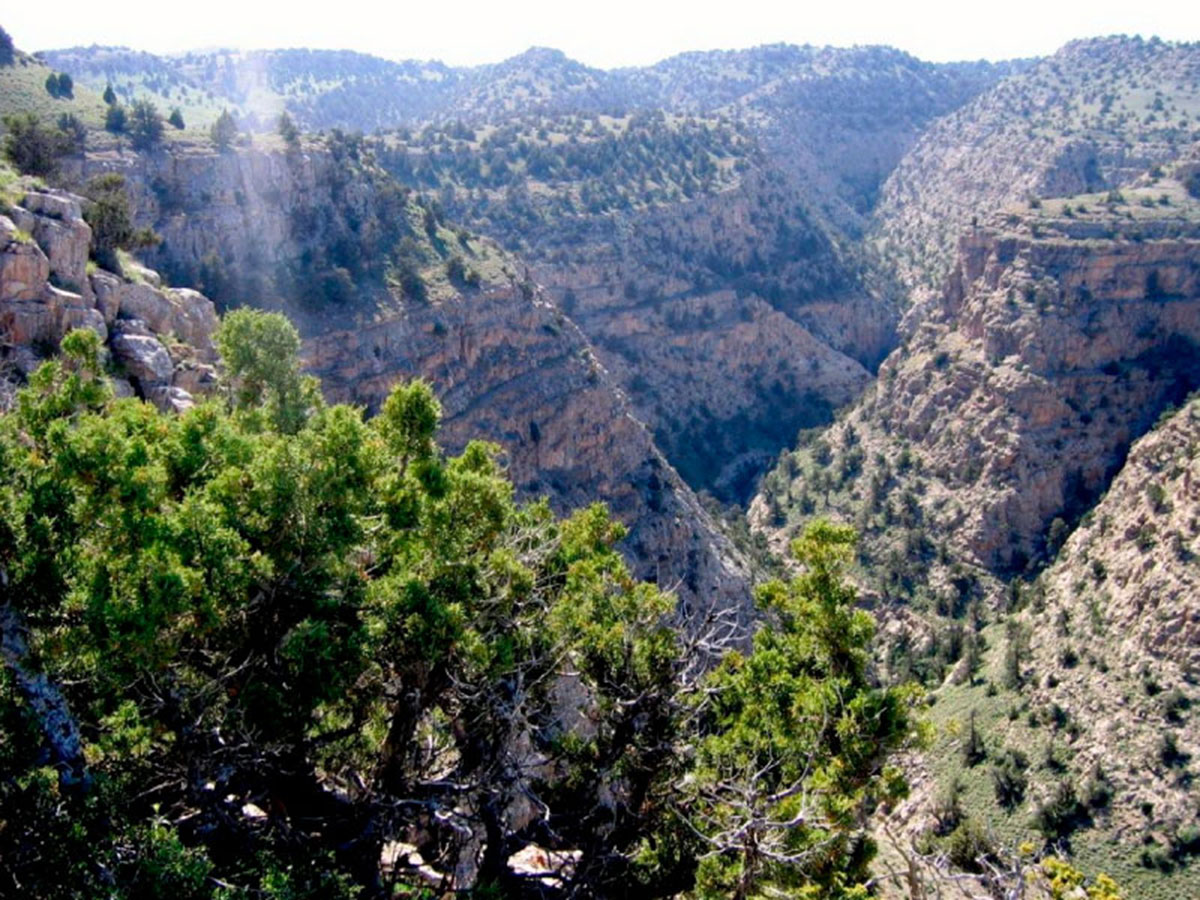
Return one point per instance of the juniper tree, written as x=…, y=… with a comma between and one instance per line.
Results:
x=247, y=645
x=224, y=130
x=145, y=125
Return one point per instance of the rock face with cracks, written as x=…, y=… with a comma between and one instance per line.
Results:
x=160, y=339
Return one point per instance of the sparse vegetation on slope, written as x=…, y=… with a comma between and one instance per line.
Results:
x=1093, y=117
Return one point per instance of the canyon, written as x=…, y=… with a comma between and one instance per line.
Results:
x=954, y=305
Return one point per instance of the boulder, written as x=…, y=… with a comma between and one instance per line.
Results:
x=144, y=358
x=59, y=229
x=195, y=378
x=194, y=319
x=106, y=288
x=23, y=266
x=186, y=314
x=54, y=205
x=142, y=301
x=170, y=399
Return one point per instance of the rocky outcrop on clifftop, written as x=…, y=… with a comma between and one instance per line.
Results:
x=160, y=339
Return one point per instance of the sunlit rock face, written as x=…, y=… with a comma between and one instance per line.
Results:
x=1057, y=341
x=161, y=339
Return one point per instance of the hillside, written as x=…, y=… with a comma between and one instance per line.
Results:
x=955, y=306
x=1092, y=117
x=383, y=288
x=689, y=265
x=321, y=88
x=698, y=218
x=23, y=90
x=1063, y=332
x=1027, y=426
x=838, y=118
x=1090, y=725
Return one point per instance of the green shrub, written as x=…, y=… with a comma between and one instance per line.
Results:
x=224, y=130
x=112, y=226
x=1156, y=856
x=947, y=806
x=974, y=751
x=410, y=281
x=969, y=846
x=145, y=125
x=288, y=131
x=1174, y=704
x=1009, y=780
x=1098, y=791
x=32, y=146
x=1169, y=752
x=1061, y=813
x=74, y=132
x=115, y=119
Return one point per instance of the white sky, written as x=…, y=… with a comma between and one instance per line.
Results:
x=603, y=33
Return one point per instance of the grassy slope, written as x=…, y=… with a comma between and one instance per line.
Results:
x=23, y=89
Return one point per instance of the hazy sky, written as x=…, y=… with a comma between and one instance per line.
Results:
x=604, y=33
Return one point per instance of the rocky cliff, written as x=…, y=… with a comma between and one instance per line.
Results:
x=509, y=366
x=1092, y=117
x=1115, y=636
x=729, y=321
x=730, y=309
x=1060, y=336
x=1075, y=723
x=729, y=314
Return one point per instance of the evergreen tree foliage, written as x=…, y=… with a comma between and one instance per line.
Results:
x=799, y=740
x=33, y=146
x=8, y=54
x=224, y=130
x=112, y=226
x=247, y=646
x=116, y=119
x=288, y=131
x=74, y=131
x=145, y=125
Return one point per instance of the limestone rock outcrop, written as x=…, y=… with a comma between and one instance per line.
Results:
x=729, y=320
x=159, y=338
